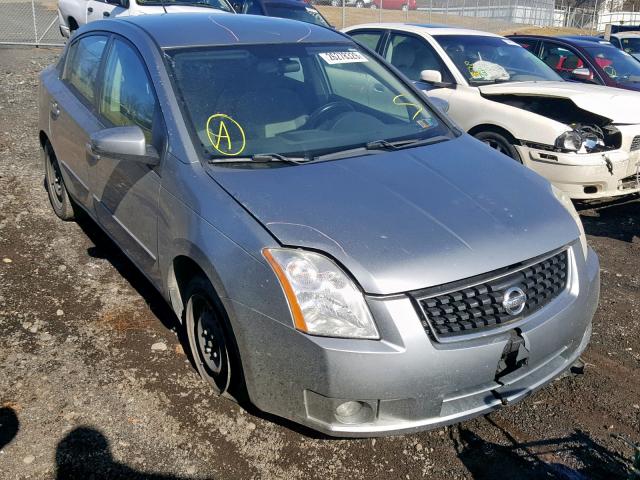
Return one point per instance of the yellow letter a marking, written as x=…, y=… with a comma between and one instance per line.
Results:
x=222, y=133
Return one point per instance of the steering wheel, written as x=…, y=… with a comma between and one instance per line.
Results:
x=326, y=111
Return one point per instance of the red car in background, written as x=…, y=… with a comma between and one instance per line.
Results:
x=404, y=5
x=585, y=59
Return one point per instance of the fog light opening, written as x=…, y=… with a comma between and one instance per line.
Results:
x=353, y=412
x=589, y=189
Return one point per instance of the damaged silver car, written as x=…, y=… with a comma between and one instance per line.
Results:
x=324, y=235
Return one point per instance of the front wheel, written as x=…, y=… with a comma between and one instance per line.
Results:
x=500, y=143
x=335, y=3
x=58, y=195
x=207, y=333
x=405, y=8
x=373, y=6
x=359, y=4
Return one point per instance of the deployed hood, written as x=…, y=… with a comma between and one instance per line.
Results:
x=619, y=106
x=410, y=219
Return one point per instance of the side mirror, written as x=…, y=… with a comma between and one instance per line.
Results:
x=431, y=76
x=582, y=74
x=123, y=143
x=440, y=103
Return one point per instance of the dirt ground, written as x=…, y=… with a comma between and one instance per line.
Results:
x=95, y=384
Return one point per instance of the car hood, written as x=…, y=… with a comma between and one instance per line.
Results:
x=409, y=219
x=617, y=105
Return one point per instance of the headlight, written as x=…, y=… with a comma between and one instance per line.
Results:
x=322, y=298
x=568, y=204
x=569, y=141
x=583, y=139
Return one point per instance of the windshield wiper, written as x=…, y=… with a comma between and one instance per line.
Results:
x=258, y=158
x=400, y=144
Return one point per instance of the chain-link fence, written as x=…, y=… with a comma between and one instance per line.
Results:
x=29, y=22
x=35, y=22
x=498, y=16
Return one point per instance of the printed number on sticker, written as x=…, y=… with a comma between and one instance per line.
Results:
x=333, y=58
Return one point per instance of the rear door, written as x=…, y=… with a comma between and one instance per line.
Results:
x=126, y=192
x=73, y=114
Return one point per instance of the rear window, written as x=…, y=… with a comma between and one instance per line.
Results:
x=83, y=61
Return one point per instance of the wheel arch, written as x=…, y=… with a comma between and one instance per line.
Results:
x=489, y=127
x=44, y=138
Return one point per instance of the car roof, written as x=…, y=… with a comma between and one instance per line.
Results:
x=428, y=28
x=576, y=40
x=584, y=40
x=626, y=34
x=177, y=30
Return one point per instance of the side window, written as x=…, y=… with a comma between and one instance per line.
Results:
x=367, y=38
x=350, y=82
x=128, y=97
x=562, y=60
x=252, y=7
x=411, y=55
x=83, y=61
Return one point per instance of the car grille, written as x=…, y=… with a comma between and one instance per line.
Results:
x=635, y=144
x=449, y=310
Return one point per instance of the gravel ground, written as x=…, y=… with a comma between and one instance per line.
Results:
x=95, y=383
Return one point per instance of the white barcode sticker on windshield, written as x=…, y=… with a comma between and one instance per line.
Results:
x=333, y=58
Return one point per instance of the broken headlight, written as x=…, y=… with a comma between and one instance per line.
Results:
x=582, y=139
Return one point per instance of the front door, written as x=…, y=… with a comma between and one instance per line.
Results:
x=126, y=192
x=72, y=113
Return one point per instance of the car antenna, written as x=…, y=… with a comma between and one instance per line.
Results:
x=164, y=7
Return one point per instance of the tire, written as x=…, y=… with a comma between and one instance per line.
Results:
x=360, y=4
x=73, y=25
x=58, y=196
x=373, y=6
x=499, y=142
x=208, y=334
x=405, y=8
x=335, y=3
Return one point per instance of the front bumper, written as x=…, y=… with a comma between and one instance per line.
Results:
x=407, y=382
x=585, y=176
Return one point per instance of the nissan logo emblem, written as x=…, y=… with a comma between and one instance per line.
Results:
x=514, y=300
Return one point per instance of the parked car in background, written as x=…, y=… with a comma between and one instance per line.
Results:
x=74, y=13
x=628, y=42
x=291, y=9
x=584, y=138
x=585, y=59
x=326, y=237
x=338, y=3
x=404, y=5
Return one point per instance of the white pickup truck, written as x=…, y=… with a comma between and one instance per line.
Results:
x=75, y=13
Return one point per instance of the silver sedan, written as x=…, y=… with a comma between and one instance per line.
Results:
x=336, y=249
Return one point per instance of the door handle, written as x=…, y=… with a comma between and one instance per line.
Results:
x=55, y=111
x=105, y=14
x=90, y=9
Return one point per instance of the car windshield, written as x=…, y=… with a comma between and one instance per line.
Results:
x=482, y=59
x=618, y=65
x=302, y=13
x=295, y=100
x=219, y=4
x=630, y=44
